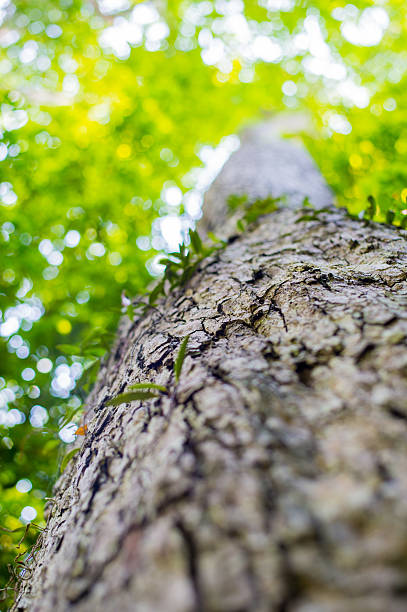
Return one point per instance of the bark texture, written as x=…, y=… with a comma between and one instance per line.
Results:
x=274, y=478
x=265, y=165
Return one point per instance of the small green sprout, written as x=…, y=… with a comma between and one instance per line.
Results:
x=68, y=457
x=131, y=396
x=148, y=385
x=252, y=210
x=196, y=242
x=313, y=215
x=179, y=361
x=371, y=209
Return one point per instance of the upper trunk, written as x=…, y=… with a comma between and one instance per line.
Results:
x=264, y=166
x=273, y=477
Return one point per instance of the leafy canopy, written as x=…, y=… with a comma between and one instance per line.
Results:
x=114, y=116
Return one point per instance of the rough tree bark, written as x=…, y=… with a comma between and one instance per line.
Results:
x=275, y=478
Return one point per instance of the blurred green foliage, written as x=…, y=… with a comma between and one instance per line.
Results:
x=112, y=112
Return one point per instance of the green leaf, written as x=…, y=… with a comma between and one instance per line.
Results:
x=90, y=364
x=306, y=218
x=16, y=530
x=371, y=209
x=148, y=385
x=50, y=446
x=158, y=290
x=180, y=358
x=131, y=396
x=68, y=457
x=89, y=373
x=196, y=242
x=307, y=203
x=235, y=201
x=390, y=216
x=69, y=416
x=261, y=207
x=96, y=351
x=178, y=255
x=98, y=337
x=217, y=242
x=168, y=262
x=240, y=225
x=170, y=273
x=69, y=349
x=130, y=312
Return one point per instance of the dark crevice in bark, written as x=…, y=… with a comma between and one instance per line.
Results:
x=291, y=582
x=274, y=307
x=192, y=558
x=304, y=371
x=397, y=414
x=170, y=502
x=102, y=477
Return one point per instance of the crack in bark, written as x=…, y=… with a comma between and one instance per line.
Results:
x=192, y=557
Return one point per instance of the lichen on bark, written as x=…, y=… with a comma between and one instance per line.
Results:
x=274, y=477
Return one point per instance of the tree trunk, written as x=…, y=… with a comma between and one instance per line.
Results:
x=274, y=475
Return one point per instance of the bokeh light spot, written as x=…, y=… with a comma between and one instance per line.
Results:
x=64, y=326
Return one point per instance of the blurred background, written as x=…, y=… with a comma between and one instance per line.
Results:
x=115, y=116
